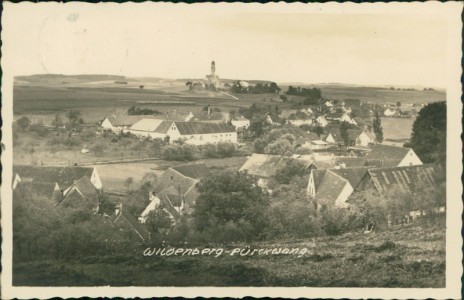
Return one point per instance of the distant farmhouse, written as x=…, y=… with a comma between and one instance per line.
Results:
x=195, y=133
x=118, y=124
x=240, y=122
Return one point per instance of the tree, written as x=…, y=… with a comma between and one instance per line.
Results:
x=291, y=169
x=231, y=197
x=58, y=121
x=280, y=146
x=344, y=126
x=398, y=104
x=256, y=129
x=158, y=219
x=74, y=119
x=377, y=127
x=23, y=122
x=129, y=182
x=428, y=138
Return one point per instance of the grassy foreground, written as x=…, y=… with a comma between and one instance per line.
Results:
x=402, y=257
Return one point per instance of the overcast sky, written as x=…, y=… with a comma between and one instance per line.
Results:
x=179, y=41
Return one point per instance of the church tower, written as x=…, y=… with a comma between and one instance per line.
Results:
x=213, y=67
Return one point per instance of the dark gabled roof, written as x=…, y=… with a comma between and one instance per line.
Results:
x=407, y=179
x=167, y=203
x=353, y=175
x=64, y=176
x=163, y=127
x=45, y=189
x=390, y=155
x=132, y=222
x=330, y=188
x=318, y=175
x=353, y=134
x=86, y=187
x=190, y=128
x=195, y=171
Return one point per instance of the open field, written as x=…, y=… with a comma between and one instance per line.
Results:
x=42, y=99
x=114, y=175
x=400, y=257
x=397, y=128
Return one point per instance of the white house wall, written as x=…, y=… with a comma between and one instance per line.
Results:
x=95, y=179
x=411, y=159
x=344, y=195
x=214, y=138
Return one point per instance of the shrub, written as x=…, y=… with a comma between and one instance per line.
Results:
x=179, y=153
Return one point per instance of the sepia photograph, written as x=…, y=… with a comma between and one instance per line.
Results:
x=231, y=145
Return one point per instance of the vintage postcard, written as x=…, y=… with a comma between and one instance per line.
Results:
x=231, y=149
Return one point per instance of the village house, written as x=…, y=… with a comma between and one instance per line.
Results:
x=264, y=166
x=118, y=124
x=394, y=156
x=333, y=187
x=338, y=116
x=321, y=121
x=299, y=118
x=195, y=133
x=359, y=138
x=273, y=120
x=240, y=122
x=65, y=186
x=64, y=177
x=82, y=194
x=176, y=190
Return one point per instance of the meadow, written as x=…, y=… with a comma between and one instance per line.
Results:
x=409, y=257
x=42, y=99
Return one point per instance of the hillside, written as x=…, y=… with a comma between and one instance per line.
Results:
x=400, y=257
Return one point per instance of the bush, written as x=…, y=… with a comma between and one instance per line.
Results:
x=179, y=153
x=38, y=129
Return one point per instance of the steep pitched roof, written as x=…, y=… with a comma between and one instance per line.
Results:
x=390, y=155
x=124, y=216
x=407, y=179
x=189, y=128
x=64, y=176
x=330, y=188
x=353, y=175
x=86, y=187
x=196, y=171
x=353, y=134
x=45, y=189
x=318, y=175
x=146, y=125
x=263, y=165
